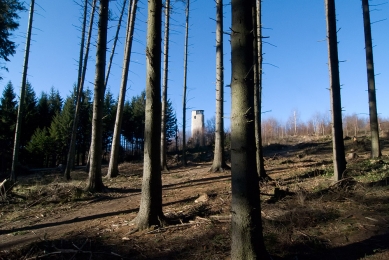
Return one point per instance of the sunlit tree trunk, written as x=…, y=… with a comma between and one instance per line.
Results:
x=150, y=211
x=164, y=86
x=218, y=159
x=375, y=138
x=95, y=182
x=72, y=146
x=113, y=169
x=19, y=120
x=184, y=91
x=80, y=90
x=246, y=227
x=336, y=106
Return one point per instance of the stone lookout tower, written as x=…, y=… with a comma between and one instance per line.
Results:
x=197, y=126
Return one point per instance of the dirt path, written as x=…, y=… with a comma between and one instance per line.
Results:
x=312, y=219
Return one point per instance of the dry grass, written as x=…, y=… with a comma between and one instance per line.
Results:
x=311, y=217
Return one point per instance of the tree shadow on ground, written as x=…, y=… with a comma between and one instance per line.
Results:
x=213, y=242
x=85, y=218
x=192, y=183
x=348, y=252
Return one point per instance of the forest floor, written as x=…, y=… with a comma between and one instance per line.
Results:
x=312, y=217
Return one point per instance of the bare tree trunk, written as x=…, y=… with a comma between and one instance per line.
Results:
x=80, y=90
x=18, y=128
x=164, y=86
x=184, y=92
x=113, y=169
x=258, y=90
x=150, y=211
x=219, y=163
x=95, y=182
x=246, y=227
x=72, y=146
x=336, y=106
x=375, y=138
x=114, y=42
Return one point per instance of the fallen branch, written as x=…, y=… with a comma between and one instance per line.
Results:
x=342, y=180
x=3, y=192
x=170, y=227
x=222, y=218
x=73, y=251
x=179, y=225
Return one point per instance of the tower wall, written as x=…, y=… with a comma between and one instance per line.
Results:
x=197, y=125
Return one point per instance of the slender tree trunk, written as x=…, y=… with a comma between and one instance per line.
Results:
x=150, y=211
x=336, y=106
x=246, y=227
x=95, y=182
x=375, y=138
x=184, y=92
x=164, y=86
x=18, y=128
x=114, y=42
x=80, y=89
x=219, y=163
x=257, y=14
x=72, y=146
x=113, y=169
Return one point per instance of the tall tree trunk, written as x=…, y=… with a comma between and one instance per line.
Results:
x=113, y=169
x=80, y=90
x=114, y=42
x=164, y=86
x=184, y=91
x=219, y=163
x=375, y=138
x=19, y=120
x=246, y=227
x=150, y=211
x=95, y=182
x=336, y=106
x=72, y=146
x=258, y=90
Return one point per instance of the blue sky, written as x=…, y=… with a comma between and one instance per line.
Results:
x=295, y=55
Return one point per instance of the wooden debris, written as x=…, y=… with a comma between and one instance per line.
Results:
x=202, y=198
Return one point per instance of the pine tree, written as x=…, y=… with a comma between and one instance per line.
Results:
x=109, y=114
x=95, y=182
x=60, y=130
x=171, y=124
x=375, y=136
x=7, y=125
x=336, y=104
x=43, y=110
x=246, y=227
x=150, y=210
x=30, y=118
x=8, y=23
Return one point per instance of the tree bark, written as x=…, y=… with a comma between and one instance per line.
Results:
x=219, y=163
x=113, y=169
x=95, y=182
x=164, y=86
x=336, y=106
x=184, y=88
x=92, y=15
x=246, y=226
x=150, y=211
x=257, y=20
x=374, y=129
x=72, y=146
x=19, y=120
